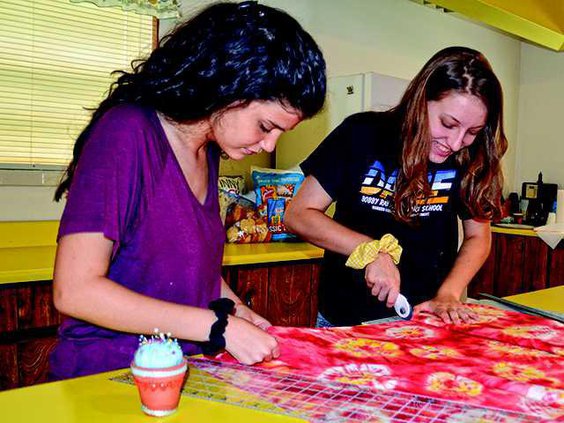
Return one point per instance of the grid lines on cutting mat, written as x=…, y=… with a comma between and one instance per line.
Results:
x=319, y=401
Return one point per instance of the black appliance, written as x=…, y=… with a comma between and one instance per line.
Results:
x=541, y=199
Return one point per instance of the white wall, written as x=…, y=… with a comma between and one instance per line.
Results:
x=29, y=203
x=541, y=116
x=396, y=37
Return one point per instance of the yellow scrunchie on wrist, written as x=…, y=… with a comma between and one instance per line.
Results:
x=366, y=253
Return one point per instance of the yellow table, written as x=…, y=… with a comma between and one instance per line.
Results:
x=98, y=399
x=550, y=299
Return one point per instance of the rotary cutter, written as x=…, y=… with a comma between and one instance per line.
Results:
x=403, y=308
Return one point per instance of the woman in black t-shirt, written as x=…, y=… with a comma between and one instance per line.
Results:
x=410, y=172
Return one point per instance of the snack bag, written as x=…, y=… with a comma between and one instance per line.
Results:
x=230, y=187
x=275, y=189
x=243, y=223
x=225, y=200
x=231, y=184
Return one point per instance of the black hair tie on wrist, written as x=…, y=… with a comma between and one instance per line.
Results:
x=222, y=307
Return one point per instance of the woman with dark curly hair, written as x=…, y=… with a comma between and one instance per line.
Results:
x=400, y=178
x=140, y=243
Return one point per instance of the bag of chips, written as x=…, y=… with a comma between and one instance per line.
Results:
x=274, y=190
x=243, y=223
x=232, y=184
x=229, y=188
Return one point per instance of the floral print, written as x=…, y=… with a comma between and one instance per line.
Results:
x=434, y=353
x=374, y=375
x=362, y=347
x=531, y=332
x=505, y=361
x=522, y=373
x=452, y=385
x=409, y=332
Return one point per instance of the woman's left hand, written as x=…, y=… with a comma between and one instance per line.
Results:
x=244, y=312
x=449, y=309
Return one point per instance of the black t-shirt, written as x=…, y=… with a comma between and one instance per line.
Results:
x=357, y=165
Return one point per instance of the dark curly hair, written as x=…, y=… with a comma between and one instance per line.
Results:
x=458, y=70
x=225, y=54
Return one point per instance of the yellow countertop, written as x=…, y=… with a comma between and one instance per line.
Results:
x=550, y=299
x=513, y=231
x=237, y=254
x=27, y=251
x=97, y=399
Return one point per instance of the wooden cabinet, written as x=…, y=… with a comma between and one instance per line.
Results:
x=283, y=293
x=28, y=325
x=518, y=264
x=556, y=267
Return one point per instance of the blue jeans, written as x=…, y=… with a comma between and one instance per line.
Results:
x=322, y=322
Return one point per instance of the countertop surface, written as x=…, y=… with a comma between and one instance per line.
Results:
x=98, y=399
x=239, y=254
x=513, y=230
x=550, y=299
x=27, y=250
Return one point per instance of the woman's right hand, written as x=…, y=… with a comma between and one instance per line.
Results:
x=248, y=343
x=383, y=278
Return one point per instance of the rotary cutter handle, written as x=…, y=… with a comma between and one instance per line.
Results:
x=403, y=308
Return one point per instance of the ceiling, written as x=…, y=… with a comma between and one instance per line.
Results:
x=538, y=21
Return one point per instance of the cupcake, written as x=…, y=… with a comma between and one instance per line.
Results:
x=159, y=369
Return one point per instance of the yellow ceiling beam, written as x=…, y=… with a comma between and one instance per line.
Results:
x=539, y=21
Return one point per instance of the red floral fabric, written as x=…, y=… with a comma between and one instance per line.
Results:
x=506, y=360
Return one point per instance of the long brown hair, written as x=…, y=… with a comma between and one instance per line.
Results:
x=458, y=70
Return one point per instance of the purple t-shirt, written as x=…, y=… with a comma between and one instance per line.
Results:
x=129, y=186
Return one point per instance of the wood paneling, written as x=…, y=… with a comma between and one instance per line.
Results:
x=289, y=295
x=535, y=265
x=251, y=285
x=508, y=275
x=8, y=309
x=518, y=264
x=315, y=269
x=35, y=306
x=33, y=357
x=28, y=324
x=9, y=375
x=283, y=293
x=484, y=279
x=556, y=268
